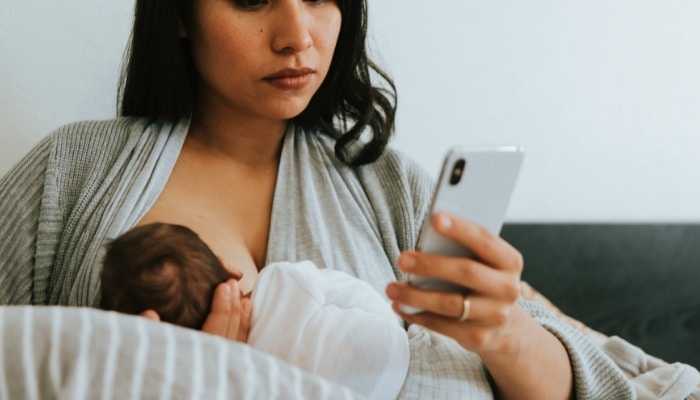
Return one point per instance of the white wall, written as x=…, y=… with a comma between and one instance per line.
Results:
x=603, y=94
x=59, y=62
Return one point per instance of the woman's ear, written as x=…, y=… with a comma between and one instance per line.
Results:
x=181, y=29
x=151, y=314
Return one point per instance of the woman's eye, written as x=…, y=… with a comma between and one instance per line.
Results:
x=256, y=4
x=250, y=4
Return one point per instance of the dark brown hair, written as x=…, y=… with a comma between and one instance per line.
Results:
x=163, y=267
x=159, y=80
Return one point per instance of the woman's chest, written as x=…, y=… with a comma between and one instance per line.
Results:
x=229, y=211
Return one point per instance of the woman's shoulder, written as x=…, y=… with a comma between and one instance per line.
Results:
x=400, y=177
x=393, y=180
x=391, y=167
x=75, y=143
x=102, y=141
x=395, y=163
x=114, y=129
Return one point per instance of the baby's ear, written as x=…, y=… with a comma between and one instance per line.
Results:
x=151, y=314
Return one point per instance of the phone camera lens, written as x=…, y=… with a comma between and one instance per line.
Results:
x=457, y=171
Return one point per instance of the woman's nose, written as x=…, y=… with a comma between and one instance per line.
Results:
x=292, y=28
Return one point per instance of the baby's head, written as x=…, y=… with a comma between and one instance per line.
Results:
x=163, y=267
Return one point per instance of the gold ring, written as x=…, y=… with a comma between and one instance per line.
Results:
x=465, y=310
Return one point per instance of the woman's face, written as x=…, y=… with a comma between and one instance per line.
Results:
x=262, y=58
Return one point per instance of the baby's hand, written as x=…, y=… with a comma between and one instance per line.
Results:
x=230, y=313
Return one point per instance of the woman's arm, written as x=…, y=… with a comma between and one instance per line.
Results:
x=534, y=364
x=21, y=196
x=523, y=358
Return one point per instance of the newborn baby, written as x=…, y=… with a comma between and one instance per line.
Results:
x=324, y=321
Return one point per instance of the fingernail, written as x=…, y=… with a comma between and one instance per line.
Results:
x=444, y=222
x=392, y=291
x=407, y=262
x=235, y=289
x=226, y=290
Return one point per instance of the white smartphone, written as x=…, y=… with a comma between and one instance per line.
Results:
x=475, y=184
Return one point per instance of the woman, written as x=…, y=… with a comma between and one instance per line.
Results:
x=255, y=124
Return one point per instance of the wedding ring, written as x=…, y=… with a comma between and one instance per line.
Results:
x=465, y=311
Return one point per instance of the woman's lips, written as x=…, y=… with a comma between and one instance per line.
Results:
x=290, y=79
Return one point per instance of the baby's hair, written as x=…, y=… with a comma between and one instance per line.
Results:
x=164, y=267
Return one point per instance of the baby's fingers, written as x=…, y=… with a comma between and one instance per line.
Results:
x=223, y=309
x=244, y=327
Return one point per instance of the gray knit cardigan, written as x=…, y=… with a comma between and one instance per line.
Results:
x=88, y=182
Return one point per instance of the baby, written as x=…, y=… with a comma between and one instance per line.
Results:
x=324, y=321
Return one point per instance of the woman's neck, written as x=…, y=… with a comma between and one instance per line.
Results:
x=252, y=143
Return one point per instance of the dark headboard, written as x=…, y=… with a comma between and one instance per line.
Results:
x=637, y=281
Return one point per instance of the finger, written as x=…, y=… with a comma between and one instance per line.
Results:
x=244, y=328
x=236, y=311
x=446, y=325
x=217, y=321
x=451, y=326
x=474, y=334
x=440, y=303
x=482, y=309
x=444, y=304
x=465, y=272
x=487, y=246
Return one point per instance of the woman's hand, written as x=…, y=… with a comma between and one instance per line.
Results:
x=488, y=321
x=493, y=277
x=230, y=313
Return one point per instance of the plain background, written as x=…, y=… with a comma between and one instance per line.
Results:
x=603, y=94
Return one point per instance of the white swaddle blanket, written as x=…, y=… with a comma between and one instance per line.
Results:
x=332, y=325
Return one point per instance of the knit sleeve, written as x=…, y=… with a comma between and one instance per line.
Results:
x=595, y=375
x=21, y=191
